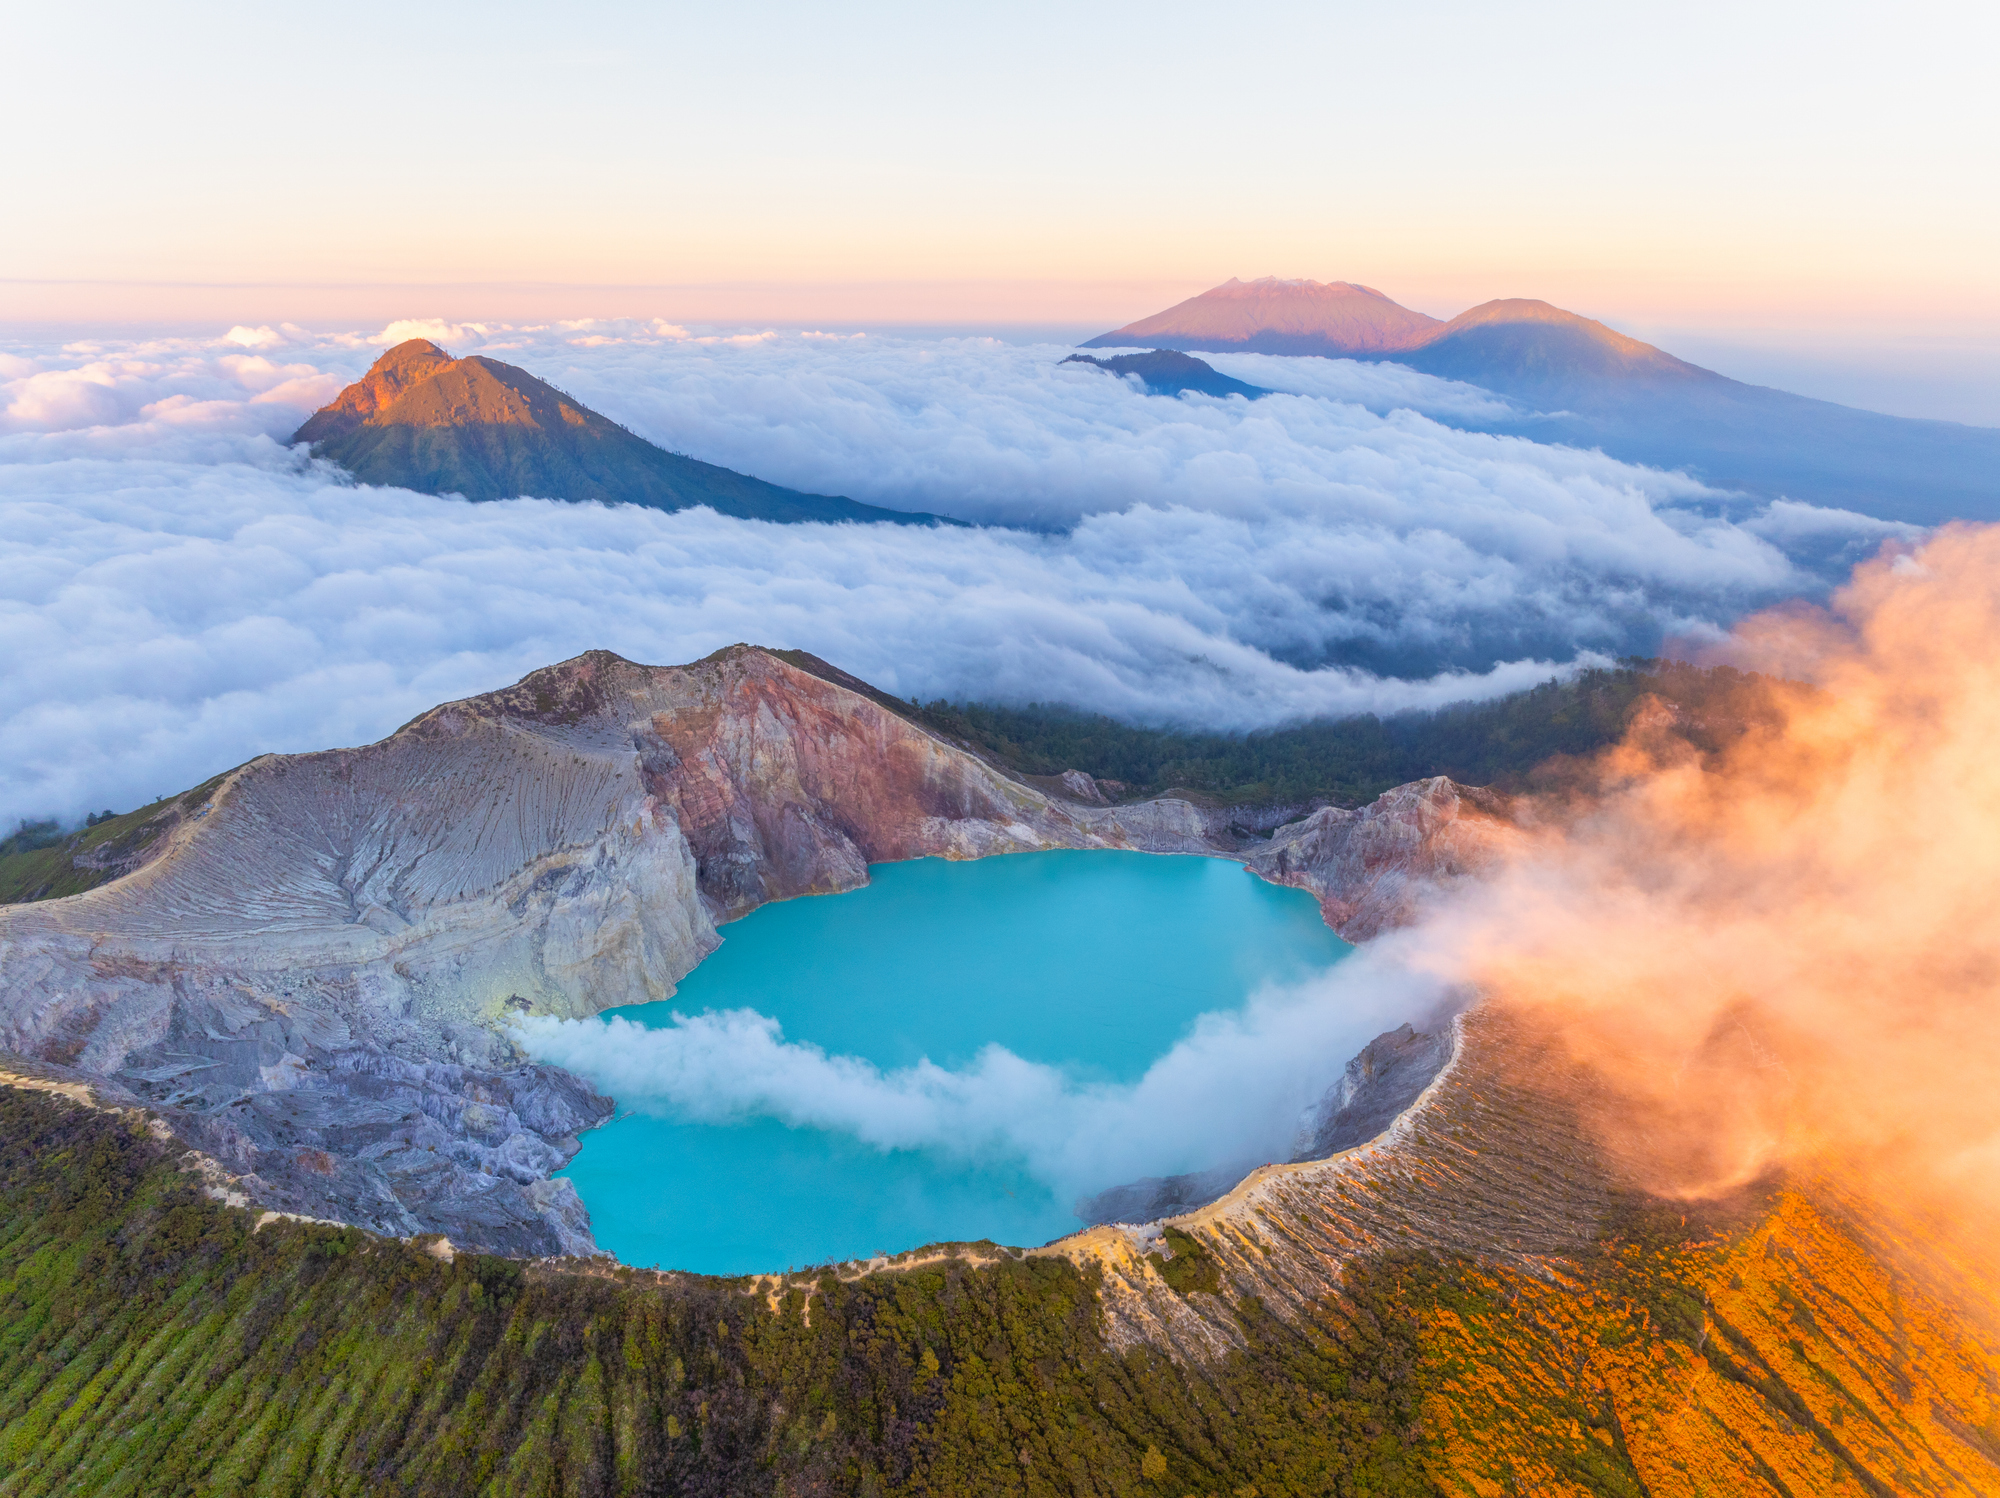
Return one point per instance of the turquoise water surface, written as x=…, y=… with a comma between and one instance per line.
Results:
x=1093, y=961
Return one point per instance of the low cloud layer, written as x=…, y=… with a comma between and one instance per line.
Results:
x=1231, y=1091
x=178, y=591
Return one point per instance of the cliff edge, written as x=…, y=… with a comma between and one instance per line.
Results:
x=310, y=966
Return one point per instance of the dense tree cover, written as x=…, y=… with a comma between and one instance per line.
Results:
x=1352, y=760
x=31, y=835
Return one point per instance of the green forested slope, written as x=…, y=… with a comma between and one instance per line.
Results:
x=1502, y=742
x=152, y=1343
x=40, y=862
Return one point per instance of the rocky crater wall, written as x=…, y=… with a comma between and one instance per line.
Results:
x=310, y=973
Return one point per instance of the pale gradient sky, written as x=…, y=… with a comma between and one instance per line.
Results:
x=1811, y=186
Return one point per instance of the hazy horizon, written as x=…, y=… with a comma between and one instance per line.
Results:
x=1789, y=197
x=1946, y=372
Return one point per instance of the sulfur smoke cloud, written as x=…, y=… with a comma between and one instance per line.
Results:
x=1786, y=951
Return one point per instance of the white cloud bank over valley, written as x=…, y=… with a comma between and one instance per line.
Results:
x=179, y=591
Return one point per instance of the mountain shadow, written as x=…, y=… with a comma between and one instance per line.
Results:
x=1166, y=372
x=423, y=420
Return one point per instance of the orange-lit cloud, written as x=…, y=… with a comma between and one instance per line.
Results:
x=1787, y=951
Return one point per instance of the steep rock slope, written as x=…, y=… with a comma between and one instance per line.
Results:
x=1380, y=1084
x=312, y=967
x=420, y=419
x=1372, y=867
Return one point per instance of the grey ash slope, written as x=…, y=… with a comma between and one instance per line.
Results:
x=309, y=974
x=476, y=427
x=1583, y=384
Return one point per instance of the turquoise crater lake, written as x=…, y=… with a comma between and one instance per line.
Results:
x=1096, y=962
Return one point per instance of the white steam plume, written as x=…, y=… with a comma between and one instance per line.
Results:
x=1232, y=1090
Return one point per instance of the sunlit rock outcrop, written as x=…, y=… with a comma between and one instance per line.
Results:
x=1369, y=868
x=478, y=428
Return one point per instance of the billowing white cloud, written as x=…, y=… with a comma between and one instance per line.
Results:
x=179, y=591
x=1232, y=1090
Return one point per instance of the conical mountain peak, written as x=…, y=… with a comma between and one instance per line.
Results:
x=396, y=371
x=476, y=427
x=1525, y=346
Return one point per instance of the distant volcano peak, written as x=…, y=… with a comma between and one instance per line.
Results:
x=1297, y=284
x=420, y=419
x=1525, y=309
x=1526, y=346
x=1516, y=345
x=1274, y=316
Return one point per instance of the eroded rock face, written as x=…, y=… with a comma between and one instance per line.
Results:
x=312, y=972
x=1389, y=1075
x=1369, y=868
x=787, y=785
x=1384, y=1080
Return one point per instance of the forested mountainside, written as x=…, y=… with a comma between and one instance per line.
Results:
x=153, y=1341
x=1501, y=743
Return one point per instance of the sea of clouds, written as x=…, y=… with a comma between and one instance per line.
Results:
x=179, y=590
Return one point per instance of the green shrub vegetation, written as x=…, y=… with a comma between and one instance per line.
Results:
x=152, y=1343
x=1351, y=760
x=1189, y=1269
x=41, y=862
x=155, y=1343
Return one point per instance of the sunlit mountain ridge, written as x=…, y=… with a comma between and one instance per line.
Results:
x=420, y=419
